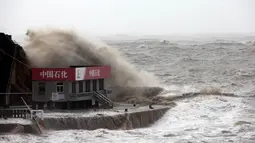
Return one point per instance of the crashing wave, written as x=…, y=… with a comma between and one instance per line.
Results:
x=55, y=48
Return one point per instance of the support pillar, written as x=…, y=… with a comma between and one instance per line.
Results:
x=96, y=104
x=50, y=105
x=68, y=105
x=33, y=105
x=40, y=105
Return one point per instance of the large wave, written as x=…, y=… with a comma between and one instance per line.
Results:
x=55, y=48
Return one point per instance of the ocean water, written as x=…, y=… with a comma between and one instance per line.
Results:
x=182, y=66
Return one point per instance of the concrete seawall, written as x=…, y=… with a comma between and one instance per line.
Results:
x=119, y=121
x=138, y=117
x=17, y=126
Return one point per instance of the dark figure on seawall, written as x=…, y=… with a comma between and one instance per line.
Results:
x=150, y=106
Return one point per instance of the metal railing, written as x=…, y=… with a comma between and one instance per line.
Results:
x=102, y=98
x=15, y=113
x=20, y=113
x=38, y=113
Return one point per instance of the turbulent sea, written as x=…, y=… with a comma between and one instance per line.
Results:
x=194, y=65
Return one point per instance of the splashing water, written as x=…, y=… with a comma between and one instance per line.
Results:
x=55, y=48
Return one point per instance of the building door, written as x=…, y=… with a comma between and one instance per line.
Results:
x=94, y=85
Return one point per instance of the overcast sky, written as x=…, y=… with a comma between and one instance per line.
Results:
x=136, y=17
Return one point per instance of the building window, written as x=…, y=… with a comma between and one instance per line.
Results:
x=60, y=87
x=94, y=85
x=74, y=87
x=41, y=87
x=101, y=84
x=87, y=83
x=80, y=86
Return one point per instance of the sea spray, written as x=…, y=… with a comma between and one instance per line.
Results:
x=56, y=48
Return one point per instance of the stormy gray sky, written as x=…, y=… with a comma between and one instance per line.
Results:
x=135, y=17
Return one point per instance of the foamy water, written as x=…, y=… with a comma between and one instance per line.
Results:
x=186, y=66
x=203, y=119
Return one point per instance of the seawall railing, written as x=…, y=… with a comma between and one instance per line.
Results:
x=20, y=113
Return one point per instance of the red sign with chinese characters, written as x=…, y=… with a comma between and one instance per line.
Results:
x=71, y=74
x=53, y=74
x=97, y=72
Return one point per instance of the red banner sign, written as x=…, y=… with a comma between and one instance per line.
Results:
x=97, y=72
x=53, y=74
x=72, y=74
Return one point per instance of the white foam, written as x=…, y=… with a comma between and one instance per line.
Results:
x=205, y=118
